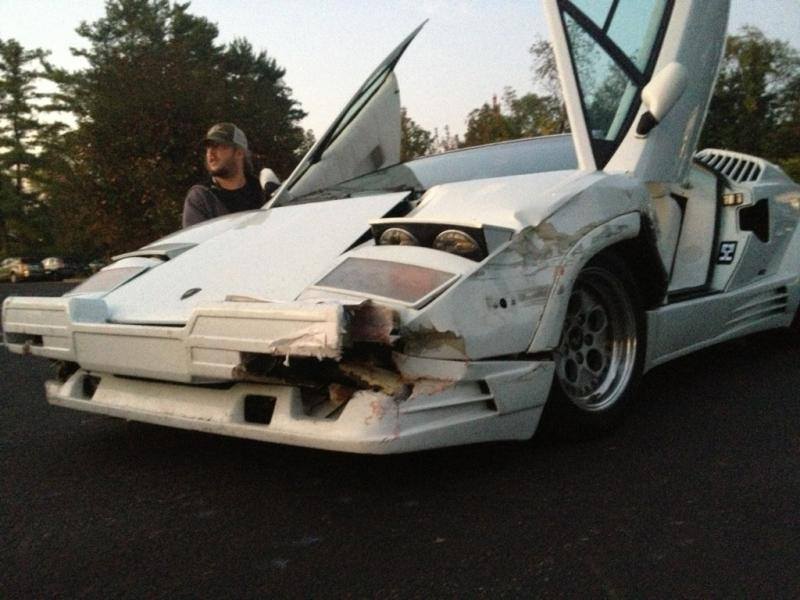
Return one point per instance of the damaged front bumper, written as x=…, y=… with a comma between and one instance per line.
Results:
x=197, y=376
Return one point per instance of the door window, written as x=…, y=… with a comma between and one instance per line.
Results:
x=613, y=45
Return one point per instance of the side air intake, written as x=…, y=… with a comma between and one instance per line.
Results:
x=759, y=307
x=740, y=168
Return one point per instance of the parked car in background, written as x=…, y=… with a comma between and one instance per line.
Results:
x=16, y=269
x=93, y=266
x=58, y=268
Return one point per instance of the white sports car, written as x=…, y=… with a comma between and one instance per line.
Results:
x=382, y=307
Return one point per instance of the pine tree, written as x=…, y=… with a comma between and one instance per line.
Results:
x=19, y=124
x=156, y=80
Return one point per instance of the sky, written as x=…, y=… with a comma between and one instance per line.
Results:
x=468, y=51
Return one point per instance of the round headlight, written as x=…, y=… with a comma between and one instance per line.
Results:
x=397, y=236
x=456, y=242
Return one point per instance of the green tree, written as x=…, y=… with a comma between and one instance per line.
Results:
x=309, y=139
x=24, y=226
x=256, y=98
x=756, y=103
x=533, y=115
x=488, y=124
x=19, y=124
x=515, y=117
x=156, y=80
x=415, y=140
x=546, y=79
x=445, y=141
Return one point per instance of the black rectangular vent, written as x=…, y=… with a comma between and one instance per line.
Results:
x=259, y=409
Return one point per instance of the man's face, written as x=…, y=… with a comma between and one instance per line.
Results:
x=222, y=160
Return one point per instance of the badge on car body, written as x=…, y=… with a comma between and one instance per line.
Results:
x=727, y=252
x=190, y=292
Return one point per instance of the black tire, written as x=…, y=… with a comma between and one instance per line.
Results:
x=600, y=357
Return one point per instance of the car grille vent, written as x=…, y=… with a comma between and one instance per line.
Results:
x=759, y=307
x=736, y=167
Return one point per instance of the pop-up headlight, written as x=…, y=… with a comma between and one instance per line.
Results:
x=457, y=242
x=114, y=275
x=397, y=236
x=409, y=284
x=468, y=241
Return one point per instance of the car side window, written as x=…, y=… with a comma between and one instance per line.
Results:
x=613, y=46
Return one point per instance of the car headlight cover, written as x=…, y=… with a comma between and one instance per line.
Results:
x=397, y=236
x=106, y=280
x=397, y=281
x=457, y=242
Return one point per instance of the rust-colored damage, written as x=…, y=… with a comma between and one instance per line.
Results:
x=339, y=394
x=366, y=364
x=425, y=340
x=430, y=387
x=371, y=322
x=375, y=378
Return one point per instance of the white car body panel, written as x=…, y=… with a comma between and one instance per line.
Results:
x=248, y=303
x=309, y=237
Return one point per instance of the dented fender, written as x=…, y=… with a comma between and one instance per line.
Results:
x=511, y=303
x=548, y=331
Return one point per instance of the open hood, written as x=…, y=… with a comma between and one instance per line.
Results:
x=637, y=77
x=363, y=138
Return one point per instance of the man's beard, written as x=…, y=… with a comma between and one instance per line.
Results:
x=225, y=170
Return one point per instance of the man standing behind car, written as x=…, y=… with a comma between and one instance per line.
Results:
x=233, y=188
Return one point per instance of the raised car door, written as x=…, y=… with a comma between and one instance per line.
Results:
x=637, y=76
x=363, y=138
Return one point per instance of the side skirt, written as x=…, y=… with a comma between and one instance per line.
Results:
x=678, y=329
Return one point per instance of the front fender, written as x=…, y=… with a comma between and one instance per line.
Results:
x=619, y=229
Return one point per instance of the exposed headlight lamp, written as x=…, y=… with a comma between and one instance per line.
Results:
x=397, y=236
x=457, y=242
x=465, y=241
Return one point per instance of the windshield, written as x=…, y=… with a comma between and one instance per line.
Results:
x=517, y=157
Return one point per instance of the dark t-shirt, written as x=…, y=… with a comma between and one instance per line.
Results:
x=205, y=202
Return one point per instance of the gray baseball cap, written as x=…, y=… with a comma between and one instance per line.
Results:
x=227, y=133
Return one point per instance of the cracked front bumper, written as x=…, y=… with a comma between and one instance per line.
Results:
x=370, y=422
x=160, y=375
x=207, y=348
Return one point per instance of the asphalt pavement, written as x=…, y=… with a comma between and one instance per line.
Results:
x=694, y=497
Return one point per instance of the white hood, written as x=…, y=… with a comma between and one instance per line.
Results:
x=513, y=202
x=270, y=254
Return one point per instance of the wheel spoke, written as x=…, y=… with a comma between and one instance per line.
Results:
x=594, y=356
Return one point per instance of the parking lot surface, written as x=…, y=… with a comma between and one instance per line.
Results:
x=696, y=496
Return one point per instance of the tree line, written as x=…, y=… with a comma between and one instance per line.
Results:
x=755, y=108
x=100, y=162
